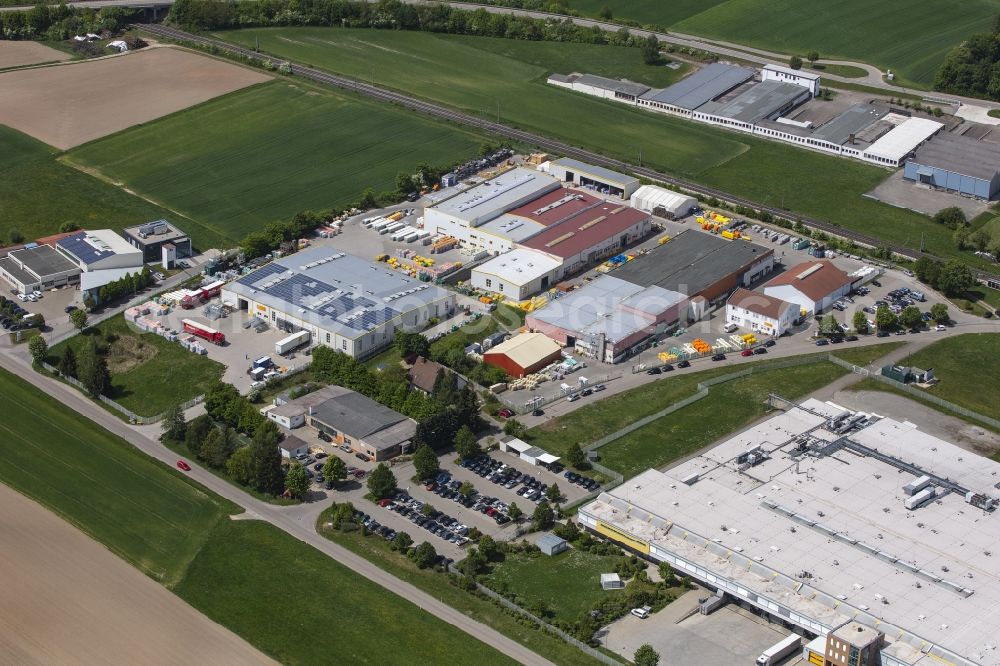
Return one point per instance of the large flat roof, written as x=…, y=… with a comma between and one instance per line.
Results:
x=335, y=291
x=43, y=260
x=498, y=195
x=792, y=72
x=359, y=416
x=91, y=247
x=960, y=154
x=608, y=306
x=556, y=206
x=520, y=266
x=840, y=128
x=512, y=227
x=597, y=172
x=590, y=226
x=702, y=86
x=614, y=85
x=758, y=101
x=819, y=525
x=158, y=231
x=905, y=137
x=691, y=262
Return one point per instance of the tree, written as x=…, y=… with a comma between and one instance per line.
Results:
x=553, y=494
x=939, y=311
x=425, y=462
x=401, y=542
x=466, y=444
x=860, y=321
x=466, y=489
x=651, y=50
x=911, y=317
x=174, y=425
x=213, y=449
x=93, y=370
x=38, y=348
x=514, y=428
x=952, y=217
x=828, y=325
x=78, y=318
x=404, y=182
x=488, y=548
x=979, y=239
x=514, y=512
x=956, y=278
x=266, y=459
x=240, y=466
x=812, y=57
x=575, y=456
x=927, y=270
x=296, y=481
x=424, y=555
x=67, y=364
x=646, y=656
x=885, y=319
x=605, y=13
x=411, y=344
x=543, y=517
x=795, y=62
x=334, y=469
x=961, y=238
x=381, y=482
x=196, y=433
x=15, y=237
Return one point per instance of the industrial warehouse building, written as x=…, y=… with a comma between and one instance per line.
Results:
x=662, y=202
x=349, y=418
x=152, y=236
x=958, y=164
x=760, y=313
x=798, y=77
x=820, y=518
x=38, y=268
x=699, y=264
x=609, y=319
x=593, y=177
x=101, y=249
x=811, y=285
x=517, y=274
x=523, y=354
x=345, y=302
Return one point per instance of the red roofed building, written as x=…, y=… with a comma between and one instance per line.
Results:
x=812, y=285
x=760, y=313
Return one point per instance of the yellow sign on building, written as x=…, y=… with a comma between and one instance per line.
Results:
x=622, y=537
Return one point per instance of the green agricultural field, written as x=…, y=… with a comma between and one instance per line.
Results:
x=38, y=195
x=908, y=36
x=475, y=74
x=968, y=368
x=141, y=510
x=301, y=607
x=568, y=583
x=265, y=153
x=149, y=374
x=648, y=12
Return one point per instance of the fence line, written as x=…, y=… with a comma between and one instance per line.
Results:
x=923, y=395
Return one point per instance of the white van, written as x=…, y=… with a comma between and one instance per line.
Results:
x=729, y=328
x=641, y=613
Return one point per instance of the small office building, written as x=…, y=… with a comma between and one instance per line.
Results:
x=812, y=285
x=152, y=236
x=760, y=313
x=799, y=77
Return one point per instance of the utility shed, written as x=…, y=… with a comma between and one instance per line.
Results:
x=957, y=164
x=523, y=354
x=550, y=544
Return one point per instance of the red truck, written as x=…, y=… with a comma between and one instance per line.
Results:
x=203, y=331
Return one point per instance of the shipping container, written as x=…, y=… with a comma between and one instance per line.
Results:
x=293, y=341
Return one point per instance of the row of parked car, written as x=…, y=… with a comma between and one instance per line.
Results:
x=582, y=481
x=531, y=489
x=436, y=522
x=13, y=317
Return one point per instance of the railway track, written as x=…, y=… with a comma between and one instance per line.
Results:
x=543, y=142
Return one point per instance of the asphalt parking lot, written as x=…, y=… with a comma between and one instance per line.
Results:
x=730, y=635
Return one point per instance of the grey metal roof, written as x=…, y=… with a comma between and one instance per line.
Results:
x=12, y=268
x=600, y=173
x=498, y=195
x=969, y=157
x=334, y=290
x=43, y=260
x=852, y=121
x=626, y=87
x=759, y=101
x=703, y=86
x=549, y=540
x=691, y=262
x=357, y=416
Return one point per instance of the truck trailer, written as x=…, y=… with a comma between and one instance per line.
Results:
x=293, y=341
x=203, y=331
x=780, y=650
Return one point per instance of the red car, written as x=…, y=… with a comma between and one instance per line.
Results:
x=506, y=413
x=746, y=352
x=183, y=466
x=384, y=502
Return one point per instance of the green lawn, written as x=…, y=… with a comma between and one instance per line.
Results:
x=907, y=36
x=727, y=408
x=150, y=378
x=968, y=367
x=475, y=74
x=140, y=509
x=265, y=153
x=569, y=583
x=849, y=71
x=377, y=551
x=39, y=194
x=301, y=607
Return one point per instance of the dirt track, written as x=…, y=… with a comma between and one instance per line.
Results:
x=67, y=105
x=65, y=599
x=18, y=54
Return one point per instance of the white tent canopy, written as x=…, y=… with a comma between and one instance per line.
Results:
x=650, y=197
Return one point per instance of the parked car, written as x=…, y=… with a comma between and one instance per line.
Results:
x=653, y=371
x=505, y=413
x=746, y=352
x=573, y=397
x=668, y=368
x=641, y=613
x=822, y=342
x=69, y=308
x=941, y=327
x=537, y=412
x=684, y=364
x=769, y=343
x=361, y=456
x=323, y=436
x=587, y=391
x=183, y=466
x=599, y=387
x=719, y=357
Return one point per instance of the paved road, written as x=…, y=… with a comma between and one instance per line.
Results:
x=14, y=361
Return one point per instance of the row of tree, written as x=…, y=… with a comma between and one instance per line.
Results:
x=388, y=15
x=973, y=67
x=60, y=22
x=128, y=285
x=90, y=366
x=953, y=277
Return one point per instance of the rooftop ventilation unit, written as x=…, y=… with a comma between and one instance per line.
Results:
x=809, y=271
